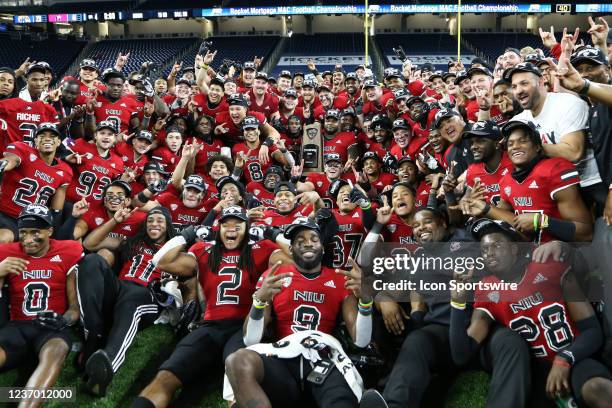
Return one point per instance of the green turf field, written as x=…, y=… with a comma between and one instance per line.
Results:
x=153, y=345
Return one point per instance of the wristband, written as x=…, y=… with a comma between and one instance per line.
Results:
x=457, y=305
x=585, y=88
x=486, y=209
x=366, y=305
x=544, y=223
x=258, y=304
x=561, y=361
x=204, y=66
x=268, y=142
x=142, y=197
x=535, y=221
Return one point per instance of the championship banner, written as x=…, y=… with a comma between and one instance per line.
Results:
x=312, y=148
x=322, y=60
x=437, y=59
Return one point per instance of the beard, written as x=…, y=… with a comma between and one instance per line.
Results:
x=307, y=265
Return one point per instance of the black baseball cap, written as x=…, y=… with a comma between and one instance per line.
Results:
x=405, y=159
x=291, y=92
x=448, y=75
x=184, y=80
x=261, y=75
x=107, y=124
x=370, y=83
x=298, y=74
x=331, y=157
x=238, y=99
x=348, y=111
x=234, y=211
x=522, y=67
x=335, y=187
x=413, y=99
x=285, y=186
x=401, y=93
x=88, y=63
x=478, y=60
x=189, y=68
x=589, y=54
x=250, y=122
x=529, y=127
x=479, y=71
x=299, y=224
x=155, y=166
x=461, y=75
x=351, y=75
x=371, y=155
x=333, y=113
x=47, y=126
x=484, y=226
x=400, y=124
x=248, y=65
x=534, y=58
x=392, y=73
x=146, y=135
x=437, y=74
x=229, y=180
x=381, y=121
x=33, y=214
x=195, y=181
x=274, y=169
x=483, y=128
x=427, y=67
x=444, y=114
x=41, y=67
x=285, y=74
x=309, y=83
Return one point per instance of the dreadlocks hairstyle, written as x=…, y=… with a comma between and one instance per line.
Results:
x=134, y=245
x=246, y=254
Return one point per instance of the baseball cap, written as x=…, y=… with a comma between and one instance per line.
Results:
x=195, y=181
x=484, y=128
x=229, y=180
x=298, y=74
x=285, y=186
x=250, y=122
x=184, y=80
x=401, y=93
x=324, y=73
x=348, y=111
x=233, y=211
x=299, y=224
x=309, y=83
x=461, y=75
x=42, y=67
x=109, y=73
x=291, y=92
x=88, y=63
x=155, y=166
x=444, y=114
x=250, y=65
x=478, y=60
x=437, y=74
x=589, y=54
x=33, y=214
x=534, y=58
x=427, y=67
x=274, y=169
x=479, y=71
x=527, y=125
x=271, y=80
x=146, y=135
x=47, y=126
x=351, y=75
x=321, y=87
x=370, y=83
x=484, y=226
x=285, y=74
x=107, y=124
x=381, y=121
x=371, y=155
x=335, y=187
x=413, y=99
x=333, y=113
x=404, y=160
x=522, y=67
x=331, y=157
x=261, y=75
x=392, y=73
x=400, y=124
x=140, y=78
x=237, y=99
x=448, y=75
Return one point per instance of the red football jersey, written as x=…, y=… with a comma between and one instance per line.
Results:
x=140, y=269
x=377, y=107
x=42, y=286
x=97, y=215
x=126, y=152
x=32, y=182
x=229, y=292
x=471, y=108
x=166, y=157
x=396, y=230
x=119, y=112
x=253, y=169
x=22, y=119
x=536, y=309
x=181, y=214
x=307, y=304
x=235, y=133
x=536, y=193
x=268, y=107
x=180, y=108
x=422, y=194
x=489, y=181
x=207, y=151
x=339, y=144
x=351, y=233
x=383, y=180
x=94, y=172
x=261, y=193
x=275, y=219
x=205, y=108
x=412, y=150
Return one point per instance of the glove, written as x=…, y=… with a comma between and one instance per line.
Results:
x=390, y=161
x=323, y=215
x=193, y=232
x=358, y=197
x=51, y=320
x=159, y=186
x=160, y=297
x=148, y=88
x=190, y=313
x=256, y=233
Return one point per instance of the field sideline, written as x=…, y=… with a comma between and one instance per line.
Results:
x=153, y=345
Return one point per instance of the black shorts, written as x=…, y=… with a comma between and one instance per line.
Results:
x=21, y=339
x=9, y=223
x=285, y=383
x=208, y=344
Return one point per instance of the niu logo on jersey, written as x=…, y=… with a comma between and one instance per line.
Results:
x=527, y=302
x=522, y=201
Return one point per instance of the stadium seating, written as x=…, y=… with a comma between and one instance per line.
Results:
x=159, y=51
x=493, y=44
x=322, y=45
x=239, y=49
x=437, y=47
x=59, y=53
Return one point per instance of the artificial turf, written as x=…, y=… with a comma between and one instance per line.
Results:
x=153, y=345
